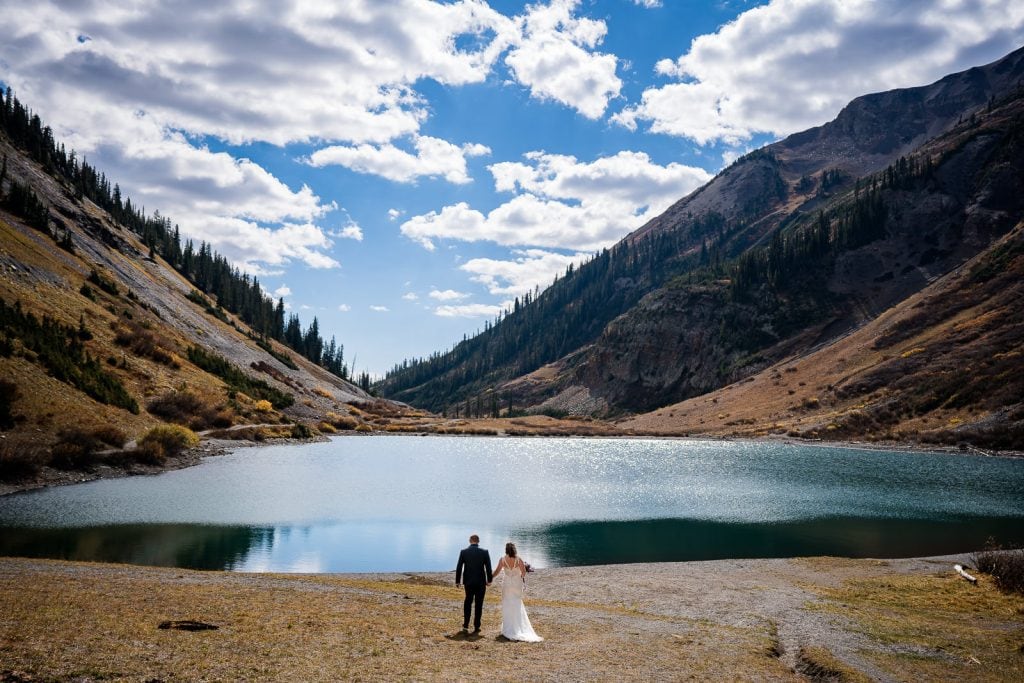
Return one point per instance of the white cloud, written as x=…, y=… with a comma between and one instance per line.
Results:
x=410, y=296
x=434, y=158
x=555, y=58
x=793, y=64
x=394, y=214
x=564, y=203
x=380, y=309
x=649, y=4
x=447, y=295
x=472, y=310
x=344, y=308
x=352, y=231
x=152, y=81
x=529, y=269
x=282, y=291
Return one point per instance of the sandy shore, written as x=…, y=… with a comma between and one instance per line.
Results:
x=821, y=618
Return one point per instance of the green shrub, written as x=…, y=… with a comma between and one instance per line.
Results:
x=59, y=349
x=301, y=431
x=172, y=438
x=236, y=379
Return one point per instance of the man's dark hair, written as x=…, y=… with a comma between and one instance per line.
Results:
x=474, y=539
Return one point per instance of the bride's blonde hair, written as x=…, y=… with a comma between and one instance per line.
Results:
x=510, y=549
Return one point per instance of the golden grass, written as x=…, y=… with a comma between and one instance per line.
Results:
x=943, y=627
x=64, y=620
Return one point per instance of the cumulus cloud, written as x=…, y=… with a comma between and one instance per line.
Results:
x=529, y=268
x=380, y=309
x=394, y=214
x=344, y=308
x=139, y=89
x=563, y=203
x=410, y=296
x=352, y=231
x=282, y=291
x=793, y=64
x=554, y=57
x=447, y=295
x=472, y=310
x=434, y=158
x=649, y=4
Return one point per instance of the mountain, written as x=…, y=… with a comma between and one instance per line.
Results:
x=109, y=326
x=789, y=251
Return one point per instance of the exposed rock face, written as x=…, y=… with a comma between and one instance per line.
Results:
x=685, y=340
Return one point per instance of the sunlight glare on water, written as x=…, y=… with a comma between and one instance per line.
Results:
x=396, y=502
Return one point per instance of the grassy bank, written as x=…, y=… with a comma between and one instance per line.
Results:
x=726, y=620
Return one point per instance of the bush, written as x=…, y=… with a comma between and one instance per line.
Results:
x=327, y=428
x=20, y=462
x=172, y=438
x=341, y=421
x=189, y=408
x=362, y=428
x=1006, y=567
x=263, y=406
x=150, y=453
x=8, y=395
x=77, y=448
x=147, y=343
x=110, y=435
x=301, y=431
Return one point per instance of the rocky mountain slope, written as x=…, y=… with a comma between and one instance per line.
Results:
x=790, y=250
x=99, y=332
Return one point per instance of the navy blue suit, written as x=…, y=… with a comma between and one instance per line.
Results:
x=474, y=572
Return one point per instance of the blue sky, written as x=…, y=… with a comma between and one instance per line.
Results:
x=402, y=169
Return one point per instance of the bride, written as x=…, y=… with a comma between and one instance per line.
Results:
x=515, y=625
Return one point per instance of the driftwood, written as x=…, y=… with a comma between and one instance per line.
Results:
x=962, y=572
x=187, y=625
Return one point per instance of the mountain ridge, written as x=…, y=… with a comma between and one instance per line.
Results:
x=884, y=235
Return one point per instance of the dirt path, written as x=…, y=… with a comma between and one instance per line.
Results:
x=725, y=620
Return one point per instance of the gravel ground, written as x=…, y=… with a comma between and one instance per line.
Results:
x=817, y=618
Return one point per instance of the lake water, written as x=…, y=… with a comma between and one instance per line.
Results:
x=407, y=503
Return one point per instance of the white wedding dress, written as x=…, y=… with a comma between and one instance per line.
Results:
x=515, y=624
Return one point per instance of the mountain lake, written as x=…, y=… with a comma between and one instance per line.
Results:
x=409, y=503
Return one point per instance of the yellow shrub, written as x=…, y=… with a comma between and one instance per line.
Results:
x=327, y=428
x=263, y=406
x=172, y=438
x=364, y=428
x=320, y=391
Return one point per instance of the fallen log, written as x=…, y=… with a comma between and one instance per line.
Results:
x=962, y=572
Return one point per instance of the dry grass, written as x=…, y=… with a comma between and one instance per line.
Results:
x=65, y=621
x=937, y=626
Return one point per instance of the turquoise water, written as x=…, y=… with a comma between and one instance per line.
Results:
x=406, y=503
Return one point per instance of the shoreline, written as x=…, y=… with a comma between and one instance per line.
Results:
x=771, y=619
x=209, y=448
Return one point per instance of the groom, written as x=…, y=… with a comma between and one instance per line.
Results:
x=476, y=562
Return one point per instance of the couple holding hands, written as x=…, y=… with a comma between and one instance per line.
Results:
x=474, y=572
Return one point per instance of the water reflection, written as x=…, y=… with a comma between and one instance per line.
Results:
x=191, y=546
x=678, y=540
x=398, y=547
